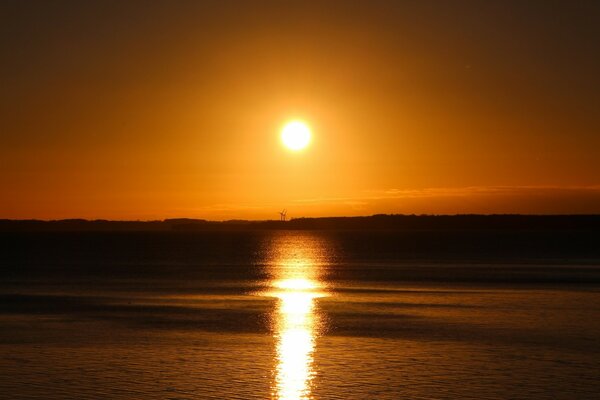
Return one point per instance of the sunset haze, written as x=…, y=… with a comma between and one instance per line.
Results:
x=151, y=110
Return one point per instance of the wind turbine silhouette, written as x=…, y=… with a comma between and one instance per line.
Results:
x=282, y=215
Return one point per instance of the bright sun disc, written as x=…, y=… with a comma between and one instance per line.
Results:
x=295, y=135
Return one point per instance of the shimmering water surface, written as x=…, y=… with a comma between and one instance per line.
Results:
x=295, y=315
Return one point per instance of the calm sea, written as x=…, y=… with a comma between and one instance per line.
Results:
x=300, y=315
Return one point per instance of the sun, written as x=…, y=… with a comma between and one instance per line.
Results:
x=295, y=135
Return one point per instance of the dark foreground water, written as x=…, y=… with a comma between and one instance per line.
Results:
x=300, y=315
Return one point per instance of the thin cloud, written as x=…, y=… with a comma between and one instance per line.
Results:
x=465, y=200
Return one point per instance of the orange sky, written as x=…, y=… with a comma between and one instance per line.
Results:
x=151, y=110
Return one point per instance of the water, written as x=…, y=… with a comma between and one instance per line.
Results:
x=299, y=315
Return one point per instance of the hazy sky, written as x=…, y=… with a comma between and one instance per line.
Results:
x=156, y=109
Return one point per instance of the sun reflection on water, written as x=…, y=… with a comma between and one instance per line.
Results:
x=296, y=283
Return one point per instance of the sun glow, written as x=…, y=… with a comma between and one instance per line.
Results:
x=295, y=284
x=295, y=135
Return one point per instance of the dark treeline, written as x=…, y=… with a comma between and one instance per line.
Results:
x=375, y=222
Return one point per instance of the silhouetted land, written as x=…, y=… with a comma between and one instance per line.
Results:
x=562, y=239
x=375, y=222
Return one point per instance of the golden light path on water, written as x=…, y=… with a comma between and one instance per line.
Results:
x=296, y=273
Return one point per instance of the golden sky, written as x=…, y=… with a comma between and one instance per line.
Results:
x=151, y=110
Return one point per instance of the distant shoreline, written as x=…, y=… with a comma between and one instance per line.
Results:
x=374, y=222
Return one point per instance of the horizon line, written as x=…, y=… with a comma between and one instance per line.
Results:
x=298, y=218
